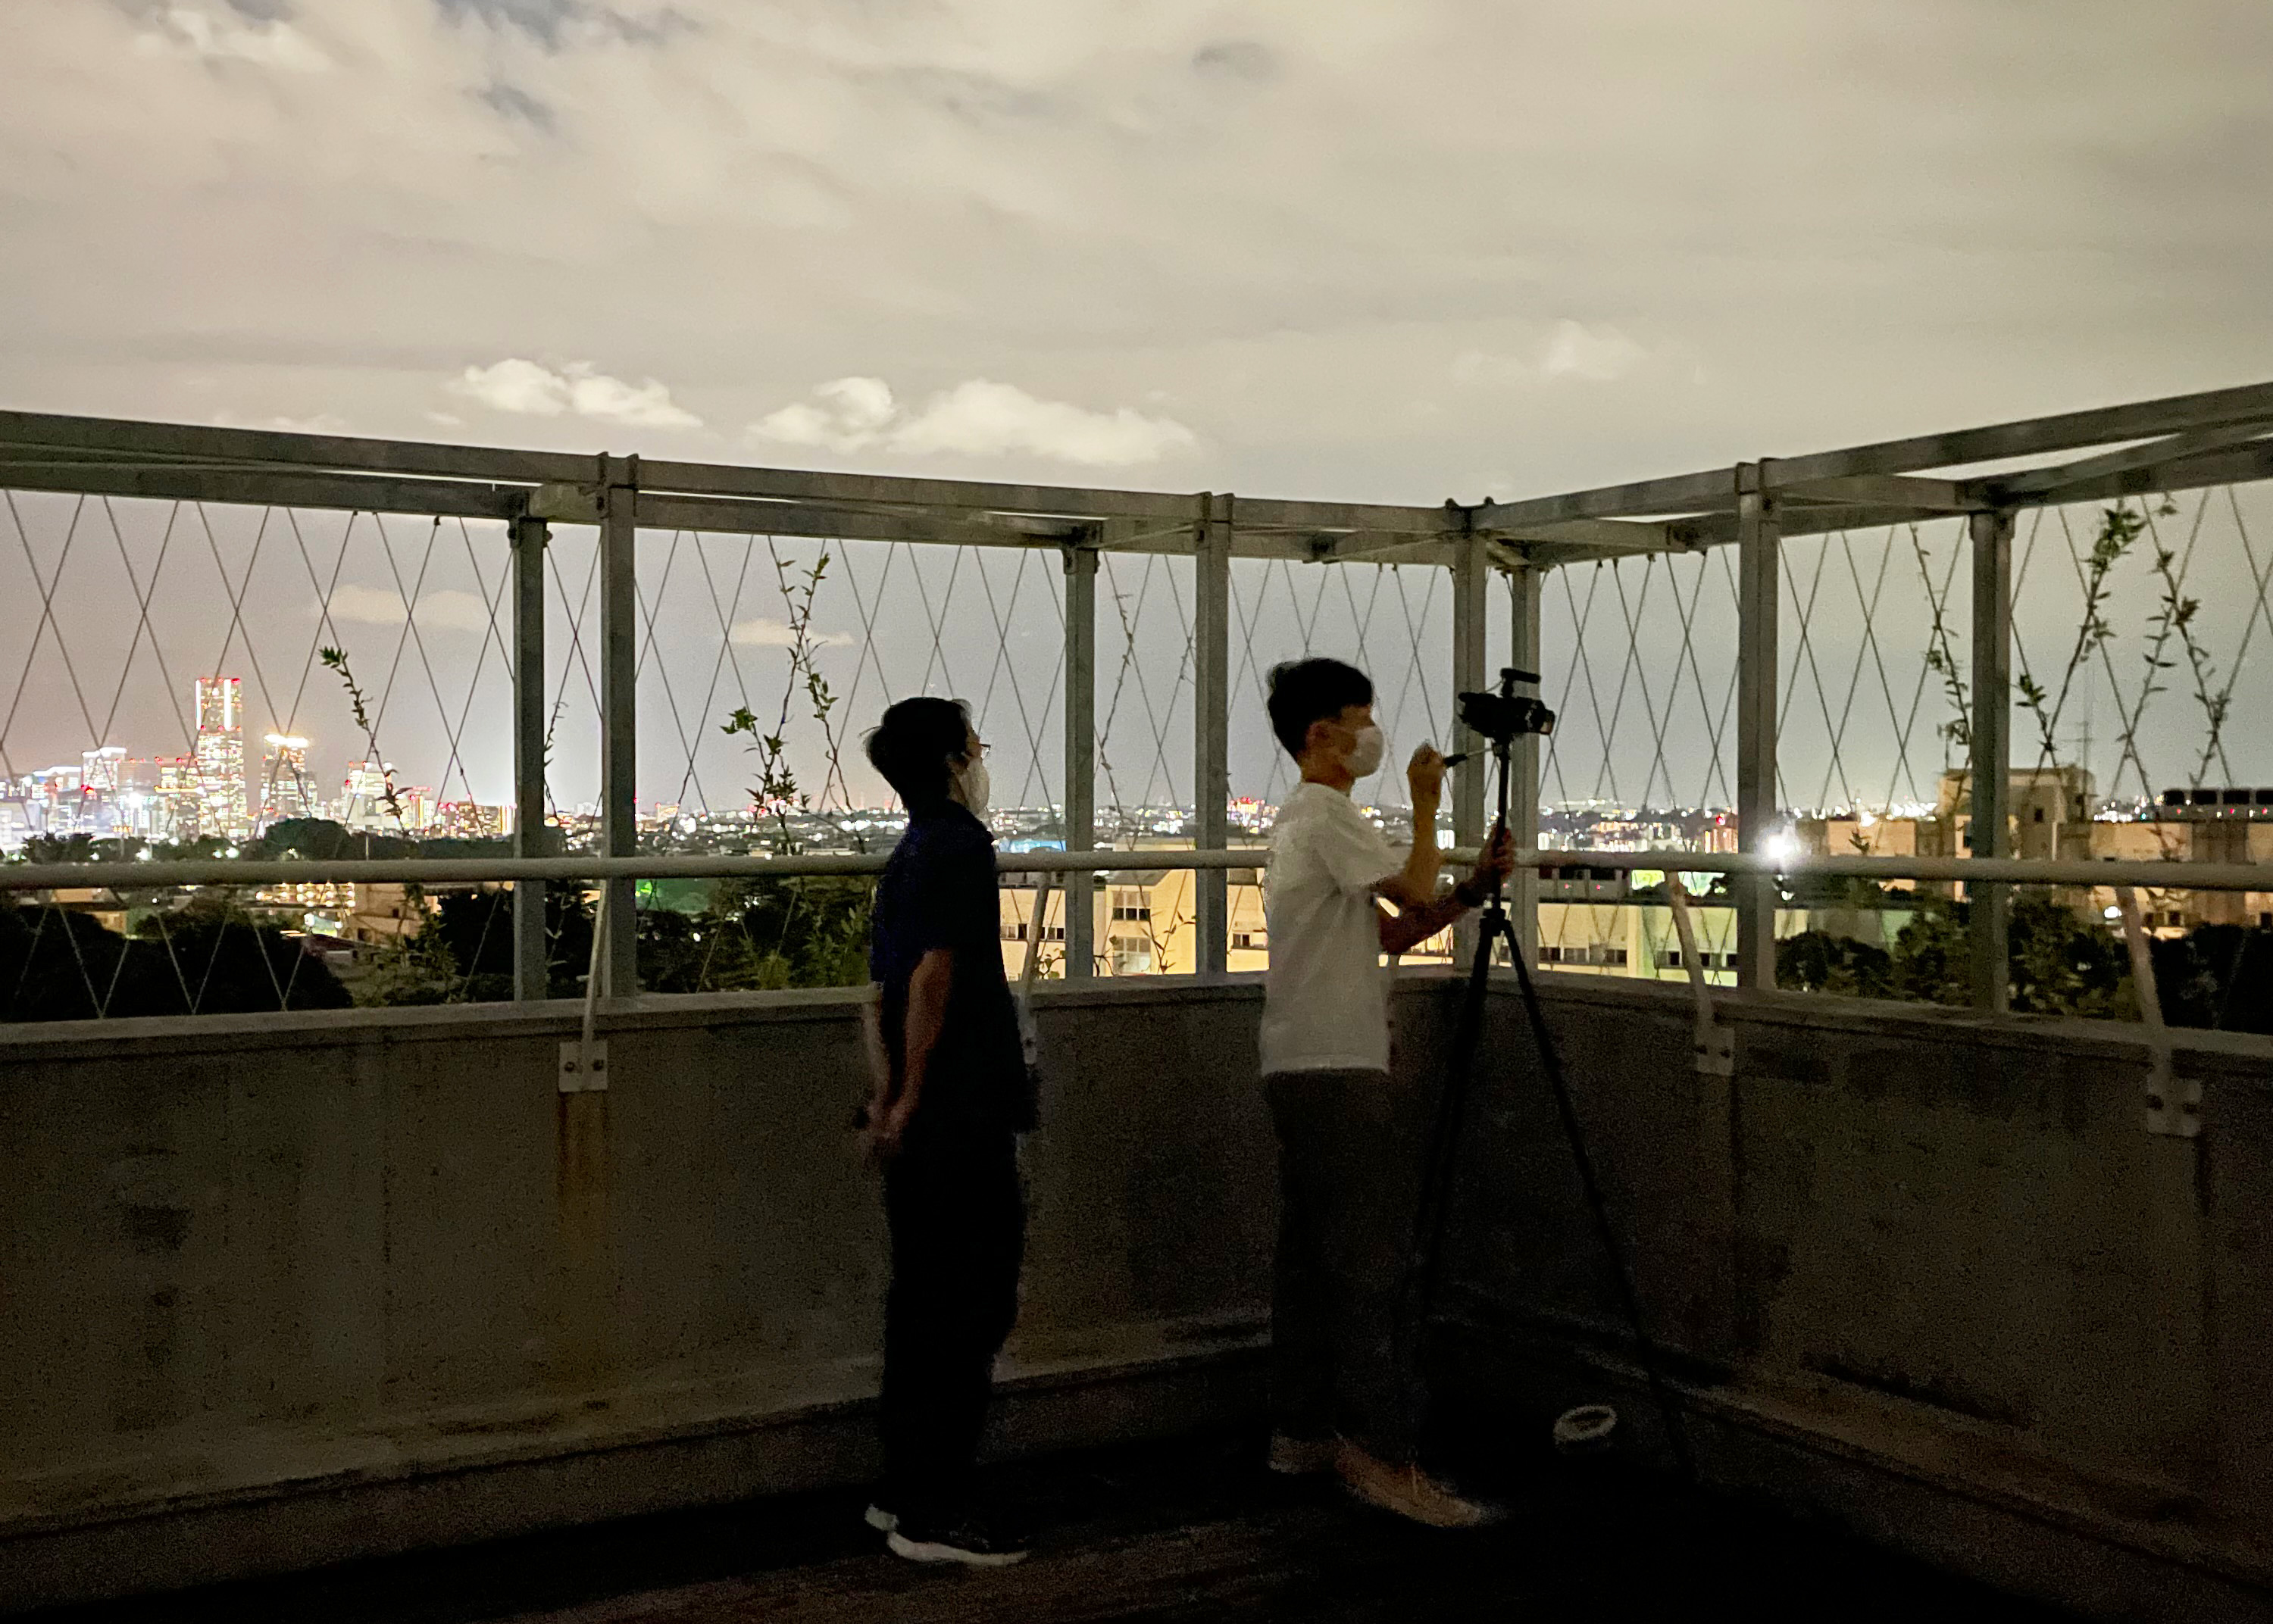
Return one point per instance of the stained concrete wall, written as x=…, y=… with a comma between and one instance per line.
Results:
x=320, y=1255
x=1936, y=1247
x=281, y=1289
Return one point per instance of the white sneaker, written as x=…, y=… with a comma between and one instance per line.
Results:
x=1410, y=1493
x=1300, y=1457
x=965, y=1543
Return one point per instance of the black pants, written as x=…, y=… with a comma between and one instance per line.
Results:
x=958, y=1221
x=1343, y=1361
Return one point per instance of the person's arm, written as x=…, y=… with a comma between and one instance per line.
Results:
x=1410, y=926
x=926, y=1018
x=1414, y=887
x=880, y=1056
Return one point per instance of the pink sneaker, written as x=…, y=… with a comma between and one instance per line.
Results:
x=1410, y=1493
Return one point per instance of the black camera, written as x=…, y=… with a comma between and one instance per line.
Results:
x=1505, y=715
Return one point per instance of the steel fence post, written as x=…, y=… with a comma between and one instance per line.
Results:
x=1211, y=727
x=1471, y=780
x=1758, y=571
x=531, y=977
x=618, y=721
x=1080, y=756
x=1523, y=653
x=1990, y=906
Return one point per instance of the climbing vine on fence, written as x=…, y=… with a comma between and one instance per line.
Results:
x=335, y=660
x=2046, y=697
x=778, y=791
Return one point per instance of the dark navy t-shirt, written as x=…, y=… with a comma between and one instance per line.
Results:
x=939, y=890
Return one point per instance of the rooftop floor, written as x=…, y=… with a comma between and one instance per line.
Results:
x=1189, y=1530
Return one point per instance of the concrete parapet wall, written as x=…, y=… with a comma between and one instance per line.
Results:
x=1937, y=1244
x=282, y=1289
x=287, y=1281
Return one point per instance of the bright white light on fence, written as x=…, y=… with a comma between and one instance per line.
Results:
x=2111, y=912
x=1780, y=848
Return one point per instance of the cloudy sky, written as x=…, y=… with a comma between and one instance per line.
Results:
x=1380, y=251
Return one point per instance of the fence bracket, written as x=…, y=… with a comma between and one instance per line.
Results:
x=1714, y=1044
x=584, y=1058
x=2173, y=1104
x=584, y=1066
x=567, y=504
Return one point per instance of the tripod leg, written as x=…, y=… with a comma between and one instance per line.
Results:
x=1451, y=1108
x=1675, y=1434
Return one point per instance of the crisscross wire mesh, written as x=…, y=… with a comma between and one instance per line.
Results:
x=1874, y=637
x=1393, y=622
x=815, y=639
x=200, y=678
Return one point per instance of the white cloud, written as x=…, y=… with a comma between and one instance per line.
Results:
x=448, y=609
x=976, y=418
x=533, y=389
x=1569, y=350
x=273, y=43
x=1596, y=355
x=514, y=386
x=980, y=418
x=647, y=405
x=768, y=633
x=850, y=413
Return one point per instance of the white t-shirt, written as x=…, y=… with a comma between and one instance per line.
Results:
x=1325, y=1005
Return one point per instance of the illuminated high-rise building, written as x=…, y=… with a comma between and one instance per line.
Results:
x=285, y=789
x=60, y=790
x=97, y=810
x=220, y=704
x=139, y=809
x=468, y=820
x=180, y=809
x=365, y=798
x=100, y=768
x=220, y=753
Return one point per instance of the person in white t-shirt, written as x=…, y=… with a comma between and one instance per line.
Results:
x=1346, y=1394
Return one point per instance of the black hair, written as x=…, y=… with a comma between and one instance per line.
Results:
x=913, y=744
x=1307, y=690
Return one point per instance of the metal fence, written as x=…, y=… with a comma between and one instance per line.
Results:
x=1912, y=651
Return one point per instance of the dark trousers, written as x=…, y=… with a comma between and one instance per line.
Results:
x=959, y=1223
x=1343, y=1360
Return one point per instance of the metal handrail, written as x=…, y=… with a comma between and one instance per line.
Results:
x=144, y=876
x=2164, y=875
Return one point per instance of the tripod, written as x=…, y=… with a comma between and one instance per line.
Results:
x=1494, y=927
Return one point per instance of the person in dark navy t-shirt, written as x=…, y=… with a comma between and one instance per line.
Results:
x=951, y=1098
x=939, y=895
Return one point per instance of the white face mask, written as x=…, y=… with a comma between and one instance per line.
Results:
x=1364, y=758
x=972, y=782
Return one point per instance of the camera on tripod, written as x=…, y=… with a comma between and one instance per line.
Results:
x=1504, y=716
